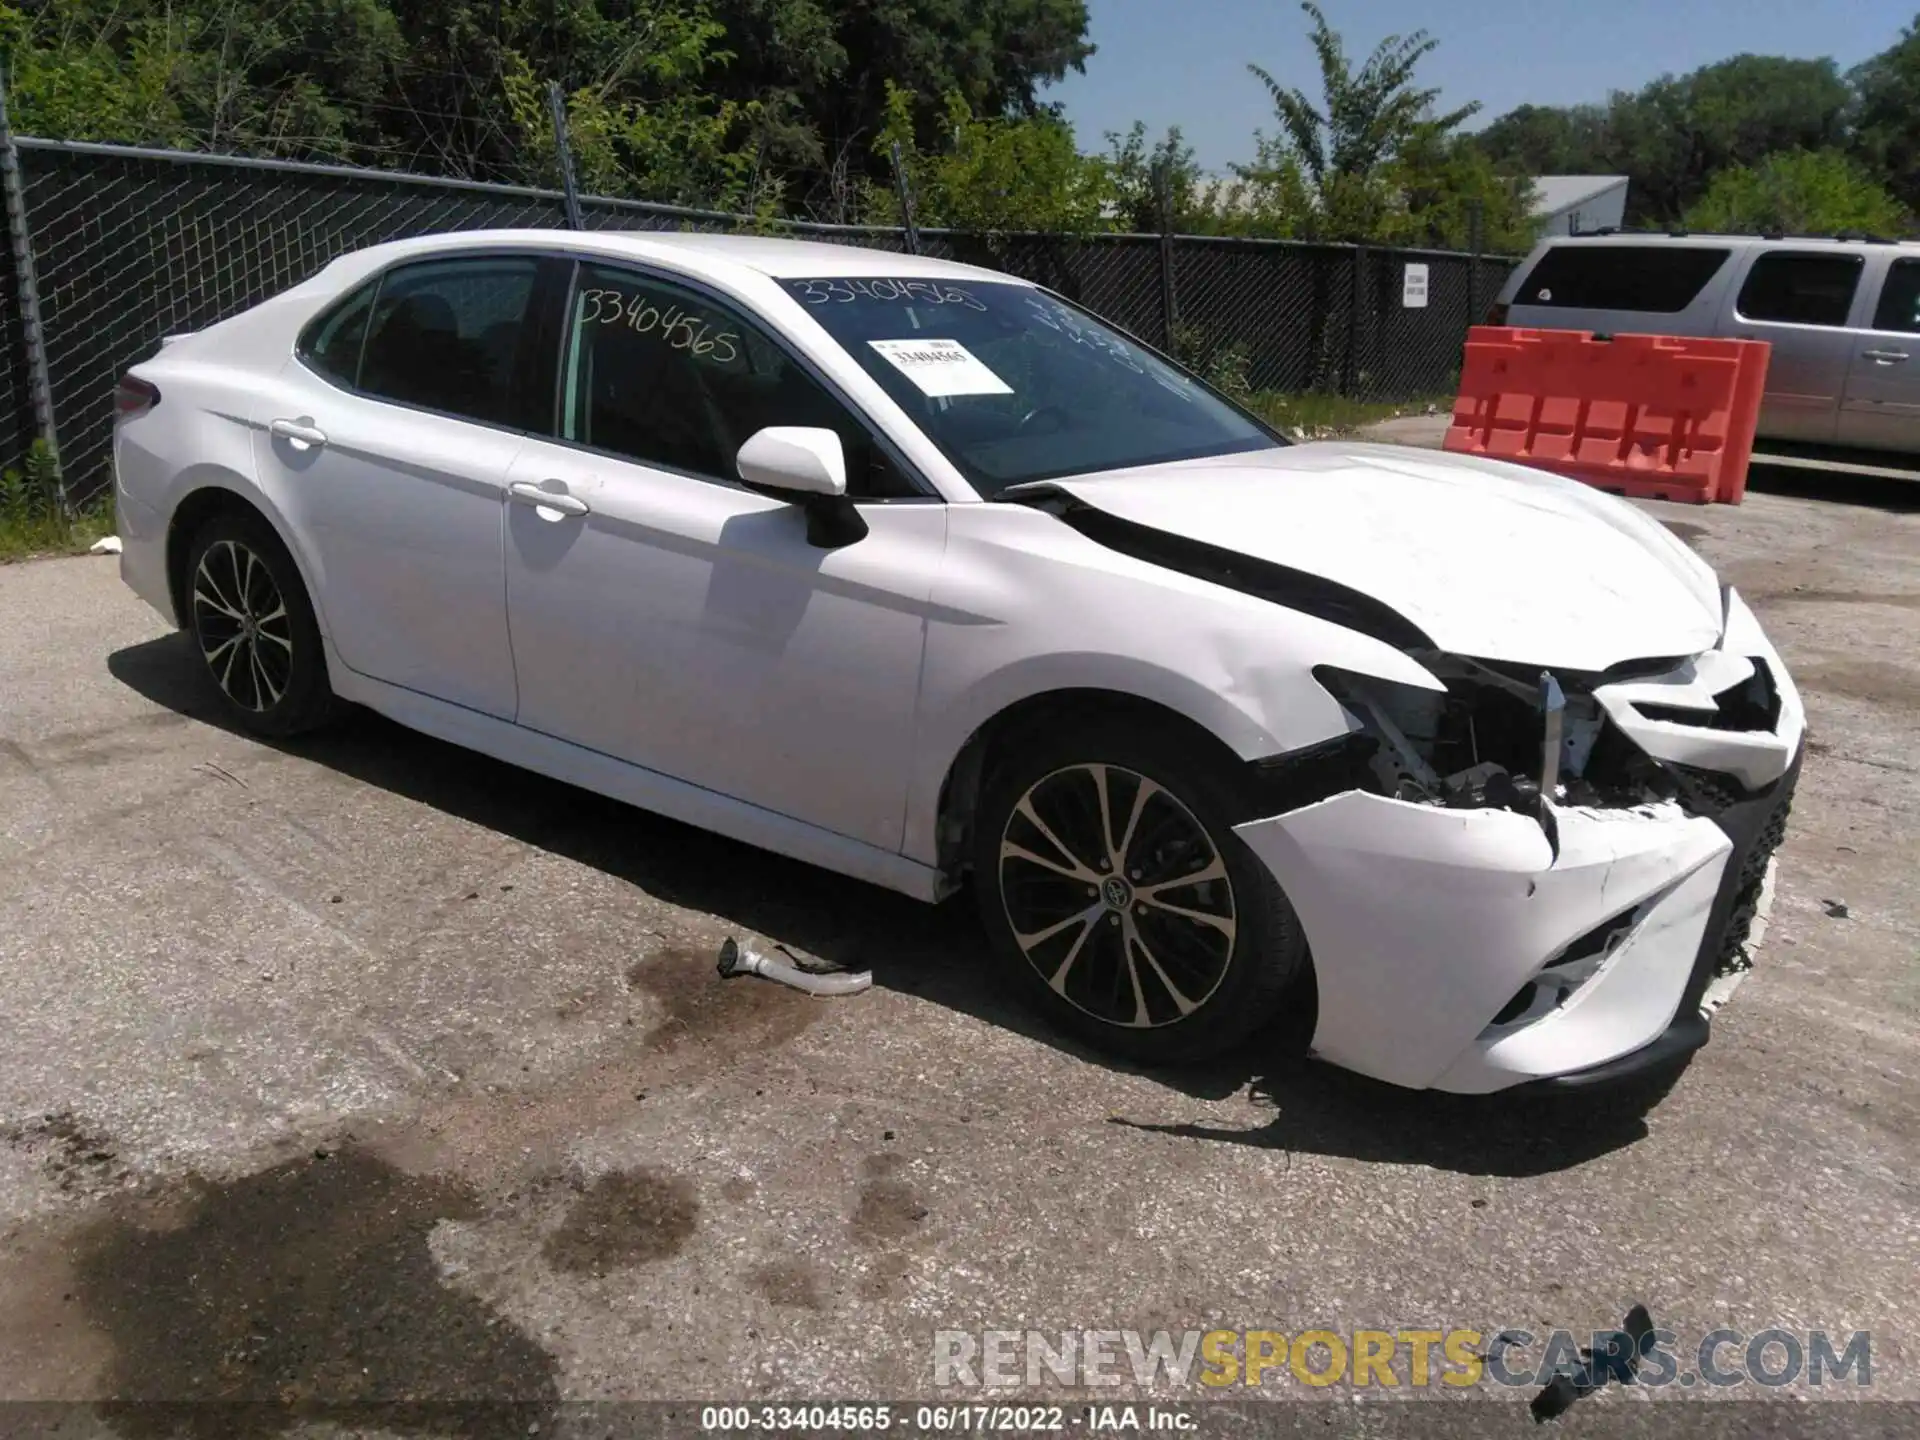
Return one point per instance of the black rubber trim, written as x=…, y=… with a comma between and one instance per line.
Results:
x=1667, y=1050
x=1745, y=823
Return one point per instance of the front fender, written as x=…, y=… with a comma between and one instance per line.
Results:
x=1025, y=607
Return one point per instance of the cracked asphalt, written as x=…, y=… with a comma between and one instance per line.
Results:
x=364, y=1069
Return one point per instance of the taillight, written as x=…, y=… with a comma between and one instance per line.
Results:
x=1497, y=315
x=134, y=396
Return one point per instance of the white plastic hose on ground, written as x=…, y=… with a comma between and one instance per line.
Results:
x=735, y=960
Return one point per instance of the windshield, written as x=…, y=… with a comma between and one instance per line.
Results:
x=1014, y=385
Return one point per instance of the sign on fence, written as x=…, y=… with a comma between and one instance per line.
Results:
x=1413, y=288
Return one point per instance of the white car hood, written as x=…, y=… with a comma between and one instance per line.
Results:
x=1490, y=560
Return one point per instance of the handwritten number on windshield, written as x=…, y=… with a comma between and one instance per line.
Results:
x=923, y=292
x=1065, y=322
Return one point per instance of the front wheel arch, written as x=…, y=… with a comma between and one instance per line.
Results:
x=974, y=762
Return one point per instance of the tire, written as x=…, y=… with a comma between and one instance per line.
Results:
x=1209, y=974
x=253, y=628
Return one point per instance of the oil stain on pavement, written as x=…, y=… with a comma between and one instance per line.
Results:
x=698, y=1007
x=889, y=1209
x=794, y=1284
x=306, y=1290
x=624, y=1218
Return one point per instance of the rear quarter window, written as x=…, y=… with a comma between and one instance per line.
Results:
x=1655, y=279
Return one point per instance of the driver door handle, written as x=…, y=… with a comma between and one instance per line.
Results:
x=1885, y=357
x=525, y=492
x=301, y=432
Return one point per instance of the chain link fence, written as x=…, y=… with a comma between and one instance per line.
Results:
x=132, y=245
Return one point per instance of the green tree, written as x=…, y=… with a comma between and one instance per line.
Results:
x=1548, y=140
x=1344, y=146
x=1798, y=192
x=996, y=173
x=275, y=77
x=1452, y=197
x=1365, y=116
x=820, y=69
x=1137, y=169
x=1886, y=135
x=1675, y=134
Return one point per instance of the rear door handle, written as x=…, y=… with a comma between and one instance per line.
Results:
x=301, y=432
x=1885, y=357
x=525, y=492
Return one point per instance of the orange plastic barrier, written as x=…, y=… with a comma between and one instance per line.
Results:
x=1660, y=417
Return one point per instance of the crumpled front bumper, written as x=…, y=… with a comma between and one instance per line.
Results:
x=1424, y=922
x=1427, y=924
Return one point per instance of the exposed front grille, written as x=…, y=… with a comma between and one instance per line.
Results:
x=1756, y=824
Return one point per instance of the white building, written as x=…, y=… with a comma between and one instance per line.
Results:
x=1576, y=204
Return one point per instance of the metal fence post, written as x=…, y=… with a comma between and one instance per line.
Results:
x=904, y=189
x=1475, y=211
x=557, y=105
x=20, y=234
x=1169, y=300
x=1350, y=373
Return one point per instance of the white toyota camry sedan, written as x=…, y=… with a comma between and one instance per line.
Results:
x=920, y=573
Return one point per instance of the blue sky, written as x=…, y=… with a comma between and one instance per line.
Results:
x=1183, y=62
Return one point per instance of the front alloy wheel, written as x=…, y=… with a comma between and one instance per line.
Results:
x=1119, y=901
x=1117, y=896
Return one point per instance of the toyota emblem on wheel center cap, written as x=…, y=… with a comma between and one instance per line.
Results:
x=1116, y=892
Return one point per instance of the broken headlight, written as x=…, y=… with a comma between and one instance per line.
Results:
x=1496, y=738
x=1422, y=754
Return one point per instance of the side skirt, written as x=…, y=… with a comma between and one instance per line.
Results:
x=646, y=789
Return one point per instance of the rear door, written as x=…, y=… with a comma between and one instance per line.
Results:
x=1800, y=302
x=1882, y=407
x=386, y=441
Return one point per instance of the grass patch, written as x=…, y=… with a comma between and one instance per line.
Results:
x=1320, y=416
x=32, y=537
x=32, y=524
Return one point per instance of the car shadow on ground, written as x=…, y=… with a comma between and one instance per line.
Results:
x=936, y=953
x=1871, y=492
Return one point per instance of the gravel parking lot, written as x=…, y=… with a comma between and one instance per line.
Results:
x=366, y=1068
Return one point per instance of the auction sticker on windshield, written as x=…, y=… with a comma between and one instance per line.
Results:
x=941, y=367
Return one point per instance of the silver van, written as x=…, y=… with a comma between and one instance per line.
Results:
x=1843, y=317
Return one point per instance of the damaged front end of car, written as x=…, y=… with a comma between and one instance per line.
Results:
x=1571, y=867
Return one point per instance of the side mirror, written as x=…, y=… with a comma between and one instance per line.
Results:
x=794, y=460
x=806, y=466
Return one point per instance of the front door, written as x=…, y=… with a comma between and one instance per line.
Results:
x=663, y=614
x=385, y=442
x=1799, y=302
x=1882, y=410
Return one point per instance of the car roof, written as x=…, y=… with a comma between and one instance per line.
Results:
x=697, y=252
x=1718, y=241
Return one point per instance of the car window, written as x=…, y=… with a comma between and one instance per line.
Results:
x=333, y=343
x=1656, y=279
x=1899, y=308
x=665, y=375
x=1800, y=289
x=1015, y=386
x=445, y=336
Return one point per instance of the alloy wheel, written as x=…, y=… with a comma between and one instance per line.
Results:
x=240, y=619
x=1117, y=895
